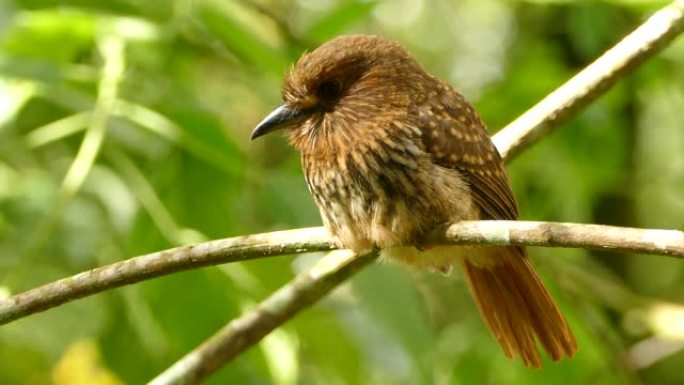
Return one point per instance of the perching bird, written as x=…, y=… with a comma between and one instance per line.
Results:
x=391, y=154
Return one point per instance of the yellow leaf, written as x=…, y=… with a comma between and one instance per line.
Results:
x=80, y=365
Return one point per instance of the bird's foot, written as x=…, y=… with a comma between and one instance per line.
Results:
x=444, y=269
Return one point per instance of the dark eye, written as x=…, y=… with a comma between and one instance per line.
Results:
x=329, y=90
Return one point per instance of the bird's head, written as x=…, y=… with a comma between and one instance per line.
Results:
x=347, y=85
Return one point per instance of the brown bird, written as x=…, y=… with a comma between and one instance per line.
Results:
x=390, y=155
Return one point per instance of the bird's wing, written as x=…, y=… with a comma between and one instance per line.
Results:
x=454, y=135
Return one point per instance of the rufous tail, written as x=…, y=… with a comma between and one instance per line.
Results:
x=516, y=306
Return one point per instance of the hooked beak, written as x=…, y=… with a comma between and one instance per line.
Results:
x=278, y=119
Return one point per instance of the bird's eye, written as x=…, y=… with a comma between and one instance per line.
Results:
x=329, y=90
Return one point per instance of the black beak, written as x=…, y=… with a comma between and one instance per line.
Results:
x=279, y=118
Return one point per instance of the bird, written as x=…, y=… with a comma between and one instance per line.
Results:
x=391, y=155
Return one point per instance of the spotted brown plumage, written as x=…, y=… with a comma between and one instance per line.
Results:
x=390, y=154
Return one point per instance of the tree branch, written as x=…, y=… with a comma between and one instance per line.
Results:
x=162, y=263
x=594, y=80
x=243, y=332
x=663, y=242
x=554, y=234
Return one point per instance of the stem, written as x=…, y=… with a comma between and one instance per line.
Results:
x=594, y=80
x=526, y=233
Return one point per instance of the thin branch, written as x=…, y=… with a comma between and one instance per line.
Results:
x=243, y=332
x=162, y=263
x=552, y=234
x=663, y=242
x=112, y=48
x=566, y=101
x=650, y=351
x=58, y=129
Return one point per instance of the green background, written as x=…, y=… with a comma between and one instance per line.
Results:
x=175, y=166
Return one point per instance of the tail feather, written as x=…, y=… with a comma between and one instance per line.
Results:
x=517, y=308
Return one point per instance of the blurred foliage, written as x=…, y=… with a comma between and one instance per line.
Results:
x=80, y=366
x=171, y=163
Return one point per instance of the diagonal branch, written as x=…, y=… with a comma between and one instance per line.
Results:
x=594, y=80
x=243, y=332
